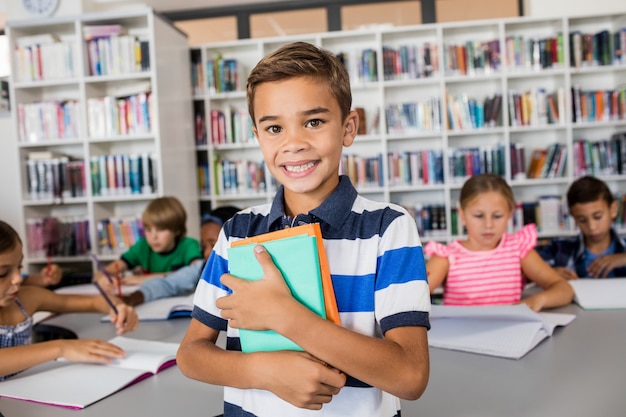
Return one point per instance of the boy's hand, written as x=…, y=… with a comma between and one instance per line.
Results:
x=300, y=379
x=126, y=319
x=566, y=273
x=602, y=266
x=257, y=305
x=102, y=280
x=89, y=350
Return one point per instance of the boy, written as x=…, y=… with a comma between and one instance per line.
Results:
x=184, y=280
x=598, y=252
x=164, y=249
x=299, y=99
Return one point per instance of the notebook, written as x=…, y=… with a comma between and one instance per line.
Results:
x=297, y=257
x=78, y=385
x=600, y=294
x=507, y=331
x=163, y=309
x=312, y=229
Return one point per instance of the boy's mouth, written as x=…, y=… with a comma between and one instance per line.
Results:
x=299, y=168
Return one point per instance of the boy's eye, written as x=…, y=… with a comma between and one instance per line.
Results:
x=274, y=129
x=314, y=123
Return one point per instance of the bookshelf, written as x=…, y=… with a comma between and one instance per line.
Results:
x=101, y=115
x=441, y=101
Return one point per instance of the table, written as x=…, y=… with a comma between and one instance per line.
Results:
x=579, y=371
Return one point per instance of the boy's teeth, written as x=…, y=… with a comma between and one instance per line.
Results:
x=298, y=168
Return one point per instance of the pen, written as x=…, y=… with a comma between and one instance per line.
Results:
x=119, y=282
x=106, y=297
x=49, y=267
x=101, y=267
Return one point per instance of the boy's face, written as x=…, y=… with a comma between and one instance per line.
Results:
x=10, y=275
x=208, y=236
x=301, y=134
x=160, y=240
x=594, y=220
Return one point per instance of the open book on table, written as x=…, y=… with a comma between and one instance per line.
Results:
x=163, y=309
x=299, y=254
x=507, y=331
x=78, y=385
x=600, y=294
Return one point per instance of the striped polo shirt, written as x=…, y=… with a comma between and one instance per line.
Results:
x=485, y=277
x=379, y=277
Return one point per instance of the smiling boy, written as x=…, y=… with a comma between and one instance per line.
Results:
x=300, y=102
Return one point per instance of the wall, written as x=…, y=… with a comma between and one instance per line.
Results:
x=546, y=8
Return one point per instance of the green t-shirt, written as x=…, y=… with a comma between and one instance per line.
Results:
x=140, y=254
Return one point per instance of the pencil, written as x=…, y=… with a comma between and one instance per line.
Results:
x=48, y=272
x=106, y=297
x=119, y=282
x=101, y=267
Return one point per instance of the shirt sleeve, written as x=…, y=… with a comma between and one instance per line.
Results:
x=527, y=239
x=192, y=250
x=436, y=248
x=132, y=256
x=177, y=283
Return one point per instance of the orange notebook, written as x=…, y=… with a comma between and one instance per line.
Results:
x=313, y=229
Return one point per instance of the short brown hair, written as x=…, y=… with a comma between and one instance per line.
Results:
x=9, y=238
x=301, y=59
x=483, y=183
x=588, y=189
x=166, y=213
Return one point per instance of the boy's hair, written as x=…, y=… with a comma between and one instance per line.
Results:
x=588, y=189
x=219, y=215
x=166, y=213
x=483, y=183
x=301, y=59
x=9, y=238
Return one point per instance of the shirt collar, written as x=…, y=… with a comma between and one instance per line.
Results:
x=334, y=210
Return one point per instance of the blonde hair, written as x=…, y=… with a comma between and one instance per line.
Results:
x=166, y=213
x=482, y=183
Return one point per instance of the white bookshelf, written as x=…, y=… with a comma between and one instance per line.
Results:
x=375, y=95
x=168, y=141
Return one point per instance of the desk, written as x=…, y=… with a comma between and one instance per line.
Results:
x=579, y=371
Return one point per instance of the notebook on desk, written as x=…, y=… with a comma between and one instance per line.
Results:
x=600, y=294
x=507, y=331
x=78, y=385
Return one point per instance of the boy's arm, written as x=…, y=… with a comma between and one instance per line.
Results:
x=296, y=377
x=175, y=284
x=602, y=266
x=398, y=364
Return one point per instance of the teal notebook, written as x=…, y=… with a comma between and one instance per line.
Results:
x=297, y=259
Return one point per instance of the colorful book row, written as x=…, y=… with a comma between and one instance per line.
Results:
x=601, y=157
x=598, y=105
x=51, y=236
x=601, y=48
x=123, y=174
x=231, y=126
x=56, y=178
x=114, y=116
x=222, y=75
x=409, y=62
x=472, y=57
x=547, y=162
x=414, y=117
x=115, y=55
x=410, y=168
x=465, y=162
x=239, y=177
x=43, y=57
x=466, y=113
x=116, y=235
x=48, y=120
x=534, y=53
x=536, y=107
x=361, y=65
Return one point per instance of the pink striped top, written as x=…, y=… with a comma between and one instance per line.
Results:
x=485, y=277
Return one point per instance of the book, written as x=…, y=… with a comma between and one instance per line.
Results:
x=506, y=331
x=600, y=294
x=58, y=386
x=298, y=253
x=162, y=309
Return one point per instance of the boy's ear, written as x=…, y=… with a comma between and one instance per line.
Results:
x=351, y=127
x=613, y=208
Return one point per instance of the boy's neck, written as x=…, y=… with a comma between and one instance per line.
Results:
x=598, y=247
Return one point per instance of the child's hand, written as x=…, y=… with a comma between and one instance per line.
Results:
x=566, y=273
x=126, y=319
x=89, y=350
x=257, y=305
x=51, y=275
x=602, y=266
x=300, y=379
x=102, y=280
